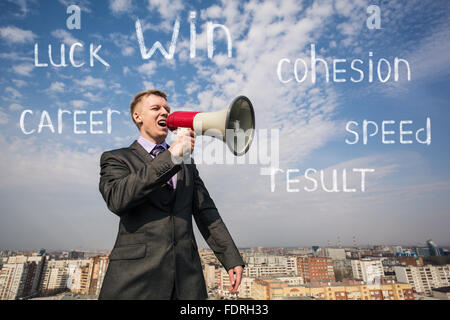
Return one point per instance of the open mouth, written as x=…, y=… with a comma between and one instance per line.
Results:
x=162, y=123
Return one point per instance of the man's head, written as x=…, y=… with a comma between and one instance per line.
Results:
x=149, y=110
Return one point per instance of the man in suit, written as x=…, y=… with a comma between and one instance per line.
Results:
x=155, y=255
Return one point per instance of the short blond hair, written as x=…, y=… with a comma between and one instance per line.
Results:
x=137, y=98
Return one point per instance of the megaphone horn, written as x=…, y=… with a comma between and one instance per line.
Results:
x=238, y=118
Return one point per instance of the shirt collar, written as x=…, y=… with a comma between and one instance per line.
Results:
x=149, y=145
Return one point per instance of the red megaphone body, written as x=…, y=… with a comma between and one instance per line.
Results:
x=239, y=115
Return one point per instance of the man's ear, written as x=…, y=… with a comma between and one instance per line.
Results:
x=137, y=117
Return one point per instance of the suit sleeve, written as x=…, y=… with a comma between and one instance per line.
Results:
x=212, y=227
x=122, y=190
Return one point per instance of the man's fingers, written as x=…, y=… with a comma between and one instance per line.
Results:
x=235, y=275
x=238, y=278
x=188, y=139
x=231, y=275
x=232, y=280
x=183, y=132
x=188, y=133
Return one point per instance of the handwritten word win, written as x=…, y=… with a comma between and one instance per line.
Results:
x=210, y=27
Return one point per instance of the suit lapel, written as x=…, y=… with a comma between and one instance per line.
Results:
x=141, y=152
x=146, y=157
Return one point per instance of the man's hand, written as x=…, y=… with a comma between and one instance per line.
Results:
x=184, y=142
x=235, y=280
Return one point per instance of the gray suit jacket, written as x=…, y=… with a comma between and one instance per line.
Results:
x=155, y=247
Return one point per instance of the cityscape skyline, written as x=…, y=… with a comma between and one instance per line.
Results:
x=205, y=246
x=377, y=273
x=49, y=187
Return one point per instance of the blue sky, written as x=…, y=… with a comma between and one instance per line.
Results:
x=49, y=186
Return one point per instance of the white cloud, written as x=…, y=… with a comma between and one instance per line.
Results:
x=166, y=10
x=19, y=83
x=13, y=34
x=170, y=84
x=15, y=57
x=92, y=97
x=192, y=87
x=147, y=69
x=120, y=6
x=23, y=6
x=57, y=87
x=23, y=69
x=213, y=12
x=11, y=94
x=91, y=82
x=65, y=36
x=148, y=85
x=78, y=103
x=347, y=8
x=429, y=57
x=128, y=51
x=124, y=43
x=83, y=4
x=4, y=118
x=15, y=107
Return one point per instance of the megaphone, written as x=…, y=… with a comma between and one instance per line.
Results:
x=234, y=125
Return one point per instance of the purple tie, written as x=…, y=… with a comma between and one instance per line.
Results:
x=155, y=152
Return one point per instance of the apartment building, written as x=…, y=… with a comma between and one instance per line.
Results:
x=58, y=275
x=247, y=284
x=98, y=266
x=336, y=253
x=273, y=289
x=12, y=280
x=368, y=270
x=20, y=277
x=315, y=269
x=424, y=278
